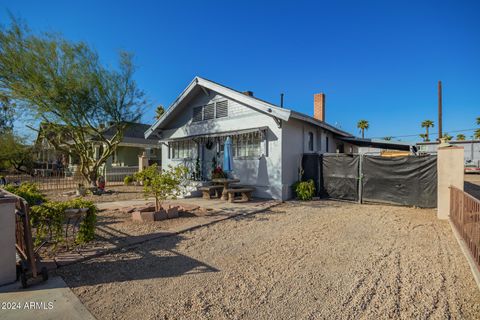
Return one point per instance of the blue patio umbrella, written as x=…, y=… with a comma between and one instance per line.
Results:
x=227, y=156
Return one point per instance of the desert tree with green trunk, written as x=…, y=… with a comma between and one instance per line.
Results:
x=64, y=86
x=363, y=125
x=427, y=124
x=461, y=137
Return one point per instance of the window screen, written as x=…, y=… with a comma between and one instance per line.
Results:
x=221, y=109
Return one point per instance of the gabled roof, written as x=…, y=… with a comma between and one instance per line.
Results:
x=258, y=104
x=133, y=133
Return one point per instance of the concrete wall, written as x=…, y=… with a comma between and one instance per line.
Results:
x=450, y=173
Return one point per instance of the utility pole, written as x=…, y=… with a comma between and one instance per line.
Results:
x=440, y=133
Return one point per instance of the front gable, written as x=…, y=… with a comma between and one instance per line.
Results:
x=202, y=93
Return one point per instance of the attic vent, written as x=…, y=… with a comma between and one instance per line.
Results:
x=222, y=109
x=197, y=114
x=209, y=111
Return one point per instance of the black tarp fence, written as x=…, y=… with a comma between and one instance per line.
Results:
x=339, y=176
x=410, y=180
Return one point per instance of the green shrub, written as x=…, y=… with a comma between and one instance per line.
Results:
x=162, y=184
x=28, y=191
x=305, y=190
x=128, y=180
x=49, y=218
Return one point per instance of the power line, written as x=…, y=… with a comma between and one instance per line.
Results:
x=430, y=133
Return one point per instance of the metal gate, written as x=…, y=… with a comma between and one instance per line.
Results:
x=410, y=180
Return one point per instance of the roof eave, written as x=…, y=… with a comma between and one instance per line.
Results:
x=304, y=117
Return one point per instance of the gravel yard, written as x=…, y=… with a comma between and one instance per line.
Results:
x=315, y=260
x=113, y=193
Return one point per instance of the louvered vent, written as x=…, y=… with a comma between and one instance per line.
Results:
x=197, y=114
x=222, y=109
x=209, y=111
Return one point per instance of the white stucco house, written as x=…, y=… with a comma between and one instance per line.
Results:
x=268, y=140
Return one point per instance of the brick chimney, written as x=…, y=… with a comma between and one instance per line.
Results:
x=248, y=93
x=319, y=106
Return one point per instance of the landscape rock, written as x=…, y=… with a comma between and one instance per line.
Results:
x=160, y=215
x=149, y=208
x=143, y=216
x=172, y=211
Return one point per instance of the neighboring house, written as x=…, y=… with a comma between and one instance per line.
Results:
x=268, y=140
x=471, y=149
x=125, y=157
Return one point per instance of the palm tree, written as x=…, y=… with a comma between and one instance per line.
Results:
x=447, y=137
x=460, y=137
x=363, y=125
x=159, y=112
x=423, y=136
x=478, y=120
x=477, y=134
x=387, y=138
x=427, y=124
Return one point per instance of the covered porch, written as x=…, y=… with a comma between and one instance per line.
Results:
x=201, y=154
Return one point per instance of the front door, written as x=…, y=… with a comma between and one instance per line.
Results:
x=209, y=152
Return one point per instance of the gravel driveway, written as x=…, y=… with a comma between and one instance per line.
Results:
x=297, y=261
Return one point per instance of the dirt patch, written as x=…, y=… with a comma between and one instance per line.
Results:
x=296, y=261
x=114, y=193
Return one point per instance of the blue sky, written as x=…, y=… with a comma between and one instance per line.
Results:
x=375, y=60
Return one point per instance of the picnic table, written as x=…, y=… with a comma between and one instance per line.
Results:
x=225, y=182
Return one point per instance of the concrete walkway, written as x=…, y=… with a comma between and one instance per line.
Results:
x=52, y=299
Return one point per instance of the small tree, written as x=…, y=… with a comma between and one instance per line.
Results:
x=363, y=125
x=159, y=112
x=162, y=184
x=387, y=138
x=427, y=124
x=424, y=136
x=447, y=137
x=460, y=137
x=15, y=153
x=476, y=134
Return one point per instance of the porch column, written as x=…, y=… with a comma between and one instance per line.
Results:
x=450, y=171
x=142, y=161
x=8, y=271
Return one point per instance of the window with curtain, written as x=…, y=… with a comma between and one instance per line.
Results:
x=182, y=149
x=247, y=145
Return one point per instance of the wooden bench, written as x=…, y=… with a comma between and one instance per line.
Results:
x=207, y=191
x=245, y=192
